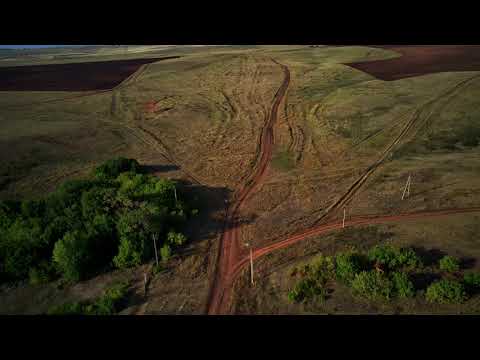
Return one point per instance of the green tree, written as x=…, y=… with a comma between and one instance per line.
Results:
x=373, y=285
x=393, y=257
x=71, y=255
x=347, y=265
x=403, y=286
x=112, y=168
x=446, y=292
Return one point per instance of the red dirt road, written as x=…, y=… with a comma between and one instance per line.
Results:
x=419, y=60
x=321, y=229
x=229, y=247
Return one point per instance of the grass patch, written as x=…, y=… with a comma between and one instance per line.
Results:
x=283, y=161
x=112, y=302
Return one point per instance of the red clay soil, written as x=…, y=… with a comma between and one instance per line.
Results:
x=101, y=75
x=418, y=60
x=230, y=249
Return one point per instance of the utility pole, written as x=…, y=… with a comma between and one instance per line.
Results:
x=175, y=192
x=155, y=247
x=145, y=283
x=407, y=186
x=344, y=214
x=251, y=263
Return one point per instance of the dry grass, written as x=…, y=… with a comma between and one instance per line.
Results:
x=205, y=111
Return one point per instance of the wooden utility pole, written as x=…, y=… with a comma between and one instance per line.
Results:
x=251, y=266
x=155, y=247
x=344, y=215
x=251, y=263
x=407, y=186
x=145, y=283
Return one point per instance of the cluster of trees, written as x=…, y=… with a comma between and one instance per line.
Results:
x=89, y=226
x=382, y=273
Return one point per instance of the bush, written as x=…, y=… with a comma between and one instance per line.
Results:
x=372, y=285
x=165, y=252
x=307, y=289
x=112, y=168
x=174, y=238
x=446, y=292
x=472, y=281
x=110, y=303
x=41, y=274
x=449, y=264
x=75, y=308
x=393, y=257
x=403, y=286
x=347, y=265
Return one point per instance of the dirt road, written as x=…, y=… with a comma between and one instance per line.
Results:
x=321, y=229
x=229, y=244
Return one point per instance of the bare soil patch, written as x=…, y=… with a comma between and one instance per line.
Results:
x=419, y=60
x=101, y=75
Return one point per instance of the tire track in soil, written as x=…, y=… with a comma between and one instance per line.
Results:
x=353, y=189
x=229, y=248
x=324, y=228
x=365, y=220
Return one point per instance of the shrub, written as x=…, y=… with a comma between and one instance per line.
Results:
x=111, y=302
x=41, y=274
x=347, y=265
x=174, y=238
x=75, y=308
x=403, y=286
x=307, y=289
x=165, y=252
x=372, y=285
x=393, y=257
x=449, y=264
x=472, y=281
x=128, y=254
x=112, y=168
x=446, y=292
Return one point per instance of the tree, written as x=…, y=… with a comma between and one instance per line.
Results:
x=446, y=292
x=403, y=286
x=71, y=255
x=347, y=265
x=373, y=285
x=112, y=168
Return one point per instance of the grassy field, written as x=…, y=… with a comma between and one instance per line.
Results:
x=455, y=236
x=204, y=113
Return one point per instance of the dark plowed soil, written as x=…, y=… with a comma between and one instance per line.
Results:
x=418, y=60
x=101, y=75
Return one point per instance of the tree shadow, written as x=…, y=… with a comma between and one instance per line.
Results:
x=159, y=168
x=467, y=263
x=421, y=281
x=430, y=257
x=211, y=205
